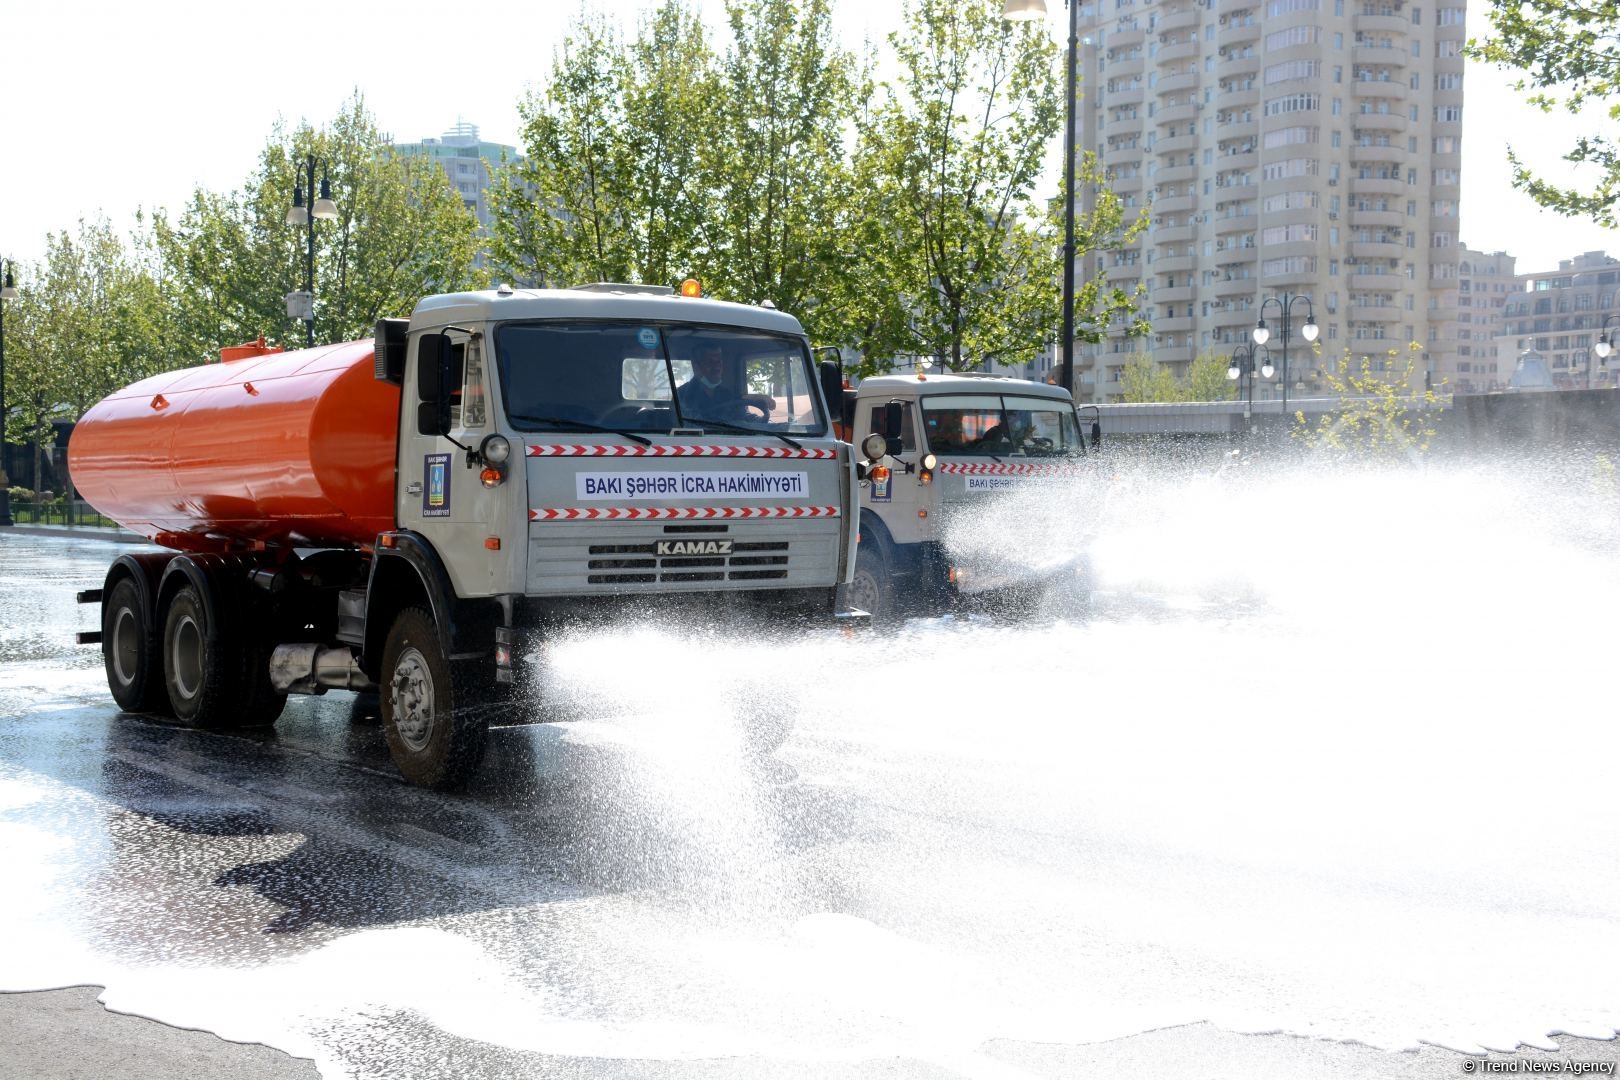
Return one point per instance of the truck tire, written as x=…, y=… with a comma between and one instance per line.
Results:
x=433, y=717
x=869, y=586
x=214, y=679
x=130, y=651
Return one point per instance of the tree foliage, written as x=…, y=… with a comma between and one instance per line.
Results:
x=1568, y=52
x=228, y=260
x=1384, y=410
x=1145, y=380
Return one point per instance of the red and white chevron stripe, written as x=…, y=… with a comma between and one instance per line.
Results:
x=691, y=450
x=677, y=513
x=1005, y=468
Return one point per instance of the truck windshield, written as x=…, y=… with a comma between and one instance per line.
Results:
x=1001, y=424
x=652, y=377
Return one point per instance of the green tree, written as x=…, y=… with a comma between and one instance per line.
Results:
x=775, y=163
x=227, y=261
x=1384, y=411
x=1569, y=55
x=960, y=144
x=89, y=322
x=1145, y=380
x=564, y=215
x=1206, y=379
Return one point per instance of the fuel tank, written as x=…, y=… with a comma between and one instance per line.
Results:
x=288, y=448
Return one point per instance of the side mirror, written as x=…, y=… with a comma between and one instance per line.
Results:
x=433, y=364
x=832, y=386
x=894, y=418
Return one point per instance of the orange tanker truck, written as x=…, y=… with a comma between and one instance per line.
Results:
x=411, y=514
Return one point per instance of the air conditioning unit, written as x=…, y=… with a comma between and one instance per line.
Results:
x=1333, y=183
x=1333, y=215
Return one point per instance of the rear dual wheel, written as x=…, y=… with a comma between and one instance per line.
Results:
x=216, y=676
x=130, y=650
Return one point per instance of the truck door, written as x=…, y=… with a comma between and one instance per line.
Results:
x=440, y=494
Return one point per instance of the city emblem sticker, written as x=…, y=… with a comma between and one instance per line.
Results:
x=648, y=337
x=436, y=492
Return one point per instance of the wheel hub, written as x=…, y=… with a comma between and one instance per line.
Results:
x=410, y=693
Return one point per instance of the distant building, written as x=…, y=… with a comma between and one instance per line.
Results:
x=1485, y=282
x=468, y=161
x=1560, y=314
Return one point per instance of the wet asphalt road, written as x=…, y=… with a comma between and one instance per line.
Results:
x=284, y=888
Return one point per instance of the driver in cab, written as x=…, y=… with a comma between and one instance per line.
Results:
x=710, y=395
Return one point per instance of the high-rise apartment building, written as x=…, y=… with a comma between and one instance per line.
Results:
x=1284, y=147
x=468, y=161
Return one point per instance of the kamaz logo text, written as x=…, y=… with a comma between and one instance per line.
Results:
x=694, y=547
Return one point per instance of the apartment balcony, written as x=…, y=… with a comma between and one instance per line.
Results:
x=1391, y=282
x=1378, y=155
x=1383, y=314
x=1181, y=111
x=1181, y=50
x=1127, y=96
x=1363, y=249
x=1120, y=125
x=1388, y=89
x=1238, y=98
x=1297, y=215
x=1279, y=278
x=1126, y=185
x=1397, y=26
x=1237, y=161
x=1233, y=34
x=1181, y=294
x=1176, y=144
x=1236, y=223
x=1178, y=325
x=1173, y=264
x=1174, y=204
x=1176, y=174
x=1124, y=155
x=1307, y=248
x=1390, y=121
x=1377, y=186
x=1124, y=69
x=1378, y=54
x=1173, y=21
x=1174, y=234
x=1235, y=66
x=1382, y=219
x=1125, y=37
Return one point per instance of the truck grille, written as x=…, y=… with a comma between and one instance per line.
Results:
x=640, y=564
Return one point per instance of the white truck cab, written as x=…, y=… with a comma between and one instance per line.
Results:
x=940, y=449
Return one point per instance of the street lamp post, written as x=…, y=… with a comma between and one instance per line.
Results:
x=1028, y=11
x=8, y=291
x=1285, y=307
x=325, y=209
x=1604, y=348
x=1243, y=366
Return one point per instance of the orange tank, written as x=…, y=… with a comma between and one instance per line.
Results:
x=279, y=448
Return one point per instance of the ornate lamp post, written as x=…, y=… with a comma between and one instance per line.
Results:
x=1028, y=11
x=1604, y=348
x=8, y=291
x=302, y=305
x=1243, y=366
x=1285, y=306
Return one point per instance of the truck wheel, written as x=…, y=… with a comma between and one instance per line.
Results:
x=431, y=712
x=214, y=680
x=869, y=587
x=129, y=649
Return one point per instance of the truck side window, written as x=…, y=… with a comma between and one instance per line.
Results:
x=474, y=405
x=908, y=433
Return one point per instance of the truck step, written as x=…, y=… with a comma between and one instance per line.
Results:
x=88, y=637
x=90, y=596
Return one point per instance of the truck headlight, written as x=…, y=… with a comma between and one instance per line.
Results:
x=495, y=449
x=874, y=446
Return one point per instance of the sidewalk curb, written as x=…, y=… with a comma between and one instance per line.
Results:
x=84, y=532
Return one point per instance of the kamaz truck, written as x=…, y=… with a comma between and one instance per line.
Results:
x=945, y=458
x=413, y=513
